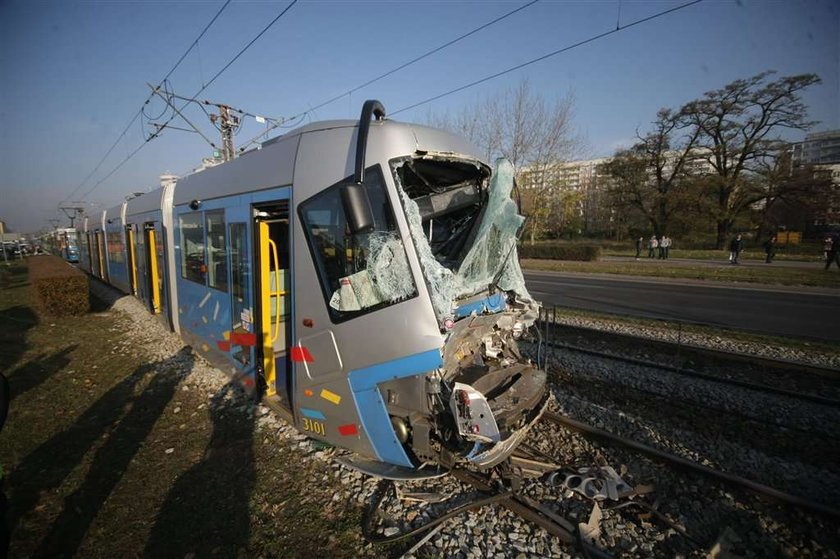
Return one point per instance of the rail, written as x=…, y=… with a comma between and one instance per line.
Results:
x=685, y=463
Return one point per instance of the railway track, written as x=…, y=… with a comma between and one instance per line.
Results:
x=500, y=488
x=693, y=373
x=807, y=381
x=751, y=378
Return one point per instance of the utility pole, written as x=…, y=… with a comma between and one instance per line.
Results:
x=77, y=209
x=227, y=121
x=227, y=124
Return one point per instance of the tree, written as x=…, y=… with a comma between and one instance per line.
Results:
x=534, y=134
x=649, y=175
x=792, y=194
x=739, y=127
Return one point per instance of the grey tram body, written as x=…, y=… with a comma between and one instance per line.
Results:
x=361, y=382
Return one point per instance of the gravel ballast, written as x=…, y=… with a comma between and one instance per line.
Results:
x=709, y=512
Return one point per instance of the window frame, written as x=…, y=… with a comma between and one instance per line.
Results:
x=225, y=252
x=336, y=316
x=202, y=218
x=183, y=241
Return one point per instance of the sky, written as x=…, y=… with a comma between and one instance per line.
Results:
x=75, y=73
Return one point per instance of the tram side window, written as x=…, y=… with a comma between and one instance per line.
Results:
x=358, y=273
x=216, y=254
x=193, y=266
x=116, y=246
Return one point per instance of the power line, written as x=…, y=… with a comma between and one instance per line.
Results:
x=421, y=57
x=388, y=73
x=197, y=39
x=241, y=52
x=140, y=111
x=545, y=56
x=107, y=153
x=242, y=112
x=115, y=169
x=161, y=128
x=232, y=60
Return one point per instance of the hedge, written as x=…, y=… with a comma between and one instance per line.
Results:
x=585, y=253
x=60, y=289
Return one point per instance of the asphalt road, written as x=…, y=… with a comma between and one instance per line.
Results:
x=779, y=311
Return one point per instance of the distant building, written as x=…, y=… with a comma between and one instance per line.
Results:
x=827, y=216
x=822, y=148
x=589, y=182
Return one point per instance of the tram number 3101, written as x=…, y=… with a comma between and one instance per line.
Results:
x=316, y=427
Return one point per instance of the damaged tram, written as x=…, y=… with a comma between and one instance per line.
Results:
x=361, y=277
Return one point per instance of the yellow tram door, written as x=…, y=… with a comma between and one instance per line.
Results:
x=272, y=232
x=149, y=237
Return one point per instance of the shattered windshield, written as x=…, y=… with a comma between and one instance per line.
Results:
x=464, y=226
x=361, y=272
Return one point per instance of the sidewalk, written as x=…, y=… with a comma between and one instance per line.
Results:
x=797, y=264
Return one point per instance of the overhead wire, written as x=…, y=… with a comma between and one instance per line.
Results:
x=234, y=59
x=396, y=69
x=142, y=107
x=424, y=55
x=549, y=55
x=402, y=66
x=160, y=129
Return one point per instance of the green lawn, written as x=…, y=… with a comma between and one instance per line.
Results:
x=725, y=272
x=722, y=255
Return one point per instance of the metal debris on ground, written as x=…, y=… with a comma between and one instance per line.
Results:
x=596, y=482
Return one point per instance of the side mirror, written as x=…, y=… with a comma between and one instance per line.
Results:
x=357, y=208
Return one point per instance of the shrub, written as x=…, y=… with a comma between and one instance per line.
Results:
x=60, y=289
x=580, y=252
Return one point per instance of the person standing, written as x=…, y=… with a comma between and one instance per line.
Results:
x=827, y=248
x=833, y=251
x=664, y=246
x=652, y=246
x=639, y=243
x=735, y=248
x=770, y=249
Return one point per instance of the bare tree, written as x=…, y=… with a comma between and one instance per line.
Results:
x=739, y=126
x=648, y=176
x=534, y=134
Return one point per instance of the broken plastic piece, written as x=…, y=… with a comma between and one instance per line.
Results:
x=591, y=531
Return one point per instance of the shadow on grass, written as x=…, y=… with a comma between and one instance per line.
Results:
x=15, y=322
x=38, y=370
x=206, y=511
x=122, y=420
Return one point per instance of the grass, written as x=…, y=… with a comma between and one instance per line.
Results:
x=720, y=255
x=107, y=453
x=805, y=252
x=816, y=277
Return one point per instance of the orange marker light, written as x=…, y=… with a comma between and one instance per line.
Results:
x=307, y=392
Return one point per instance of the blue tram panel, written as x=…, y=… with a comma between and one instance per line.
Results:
x=361, y=278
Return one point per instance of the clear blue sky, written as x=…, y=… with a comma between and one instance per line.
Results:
x=74, y=72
